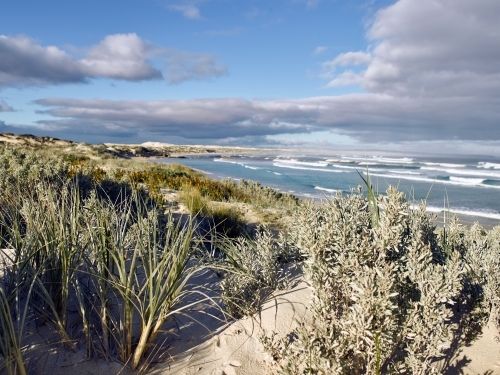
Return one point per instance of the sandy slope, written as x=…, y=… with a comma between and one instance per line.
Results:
x=203, y=343
x=236, y=348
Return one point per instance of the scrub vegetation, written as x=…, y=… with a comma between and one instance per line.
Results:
x=391, y=294
x=89, y=248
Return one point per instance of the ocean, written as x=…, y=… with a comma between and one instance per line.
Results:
x=463, y=185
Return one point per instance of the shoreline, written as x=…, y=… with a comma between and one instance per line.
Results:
x=467, y=220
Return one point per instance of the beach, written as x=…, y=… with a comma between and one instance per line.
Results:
x=468, y=187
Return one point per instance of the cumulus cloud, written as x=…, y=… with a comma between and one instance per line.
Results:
x=121, y=56
x=23, y=62
x=440, y=48
x=4, y=107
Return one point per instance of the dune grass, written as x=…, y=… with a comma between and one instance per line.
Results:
x=64, y=250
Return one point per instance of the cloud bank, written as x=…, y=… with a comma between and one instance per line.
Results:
x=366, y=117
x=127, y=57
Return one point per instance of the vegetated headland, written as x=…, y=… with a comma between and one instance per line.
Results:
x=107, y=150
x=113, y=263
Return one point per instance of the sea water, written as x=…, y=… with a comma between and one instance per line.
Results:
x=464, y=185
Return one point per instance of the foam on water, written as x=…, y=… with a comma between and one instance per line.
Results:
x=297, y=162
x=486, y=165
x=333, y=191
x=405, y=172
x=305, y=168
x=432, y=209
x=202, y=171
x=221, y=160
x=467, y=181
x=464, y=172
x=273, y=172
x=376, y=160
x=447, y=165
x=451, y=181
x=344, y=166
x=469, y=184
x=394, y=160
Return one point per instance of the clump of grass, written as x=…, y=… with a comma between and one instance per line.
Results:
x=194, y=201
x=264, y=196
x=251, y=266
x=226, y=219
x=223, y=219
x=10, y=337
x=92, y=253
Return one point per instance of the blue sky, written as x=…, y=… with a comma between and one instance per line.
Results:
x=420, y=75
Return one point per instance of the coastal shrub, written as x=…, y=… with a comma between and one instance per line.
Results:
x=74, y=159
x=252, y=267
x=480, y=253
x=384, y=291
x=23, y=167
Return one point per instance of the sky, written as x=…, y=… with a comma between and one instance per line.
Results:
x=406, y=75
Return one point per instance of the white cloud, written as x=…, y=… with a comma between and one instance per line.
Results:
x=188, y=10
x=121, y=56
x=349, y=58
x=345, y=79
x=23, y=62
x=440, y=48
x=319, y=50
x=4, y=107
